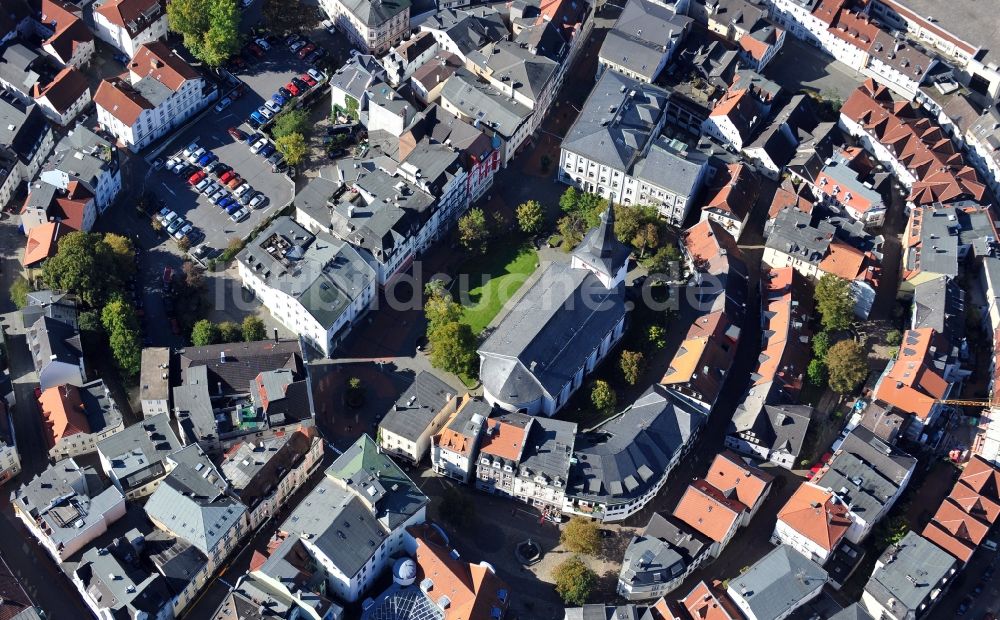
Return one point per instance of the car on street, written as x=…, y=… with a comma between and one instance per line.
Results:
x=315, y=74
x=224, y=103
x=272, y=106
x=257, y=200
x=292, y=88
x=266, y=113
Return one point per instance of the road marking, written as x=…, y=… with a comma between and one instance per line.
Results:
x=167, y=187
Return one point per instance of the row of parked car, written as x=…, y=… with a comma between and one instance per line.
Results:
x=295, y=87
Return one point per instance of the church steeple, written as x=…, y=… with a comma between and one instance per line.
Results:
x=602, y=253
x=605, y=240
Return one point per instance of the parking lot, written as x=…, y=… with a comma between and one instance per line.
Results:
x=213, y=227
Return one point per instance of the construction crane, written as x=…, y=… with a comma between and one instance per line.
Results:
x=969, y=403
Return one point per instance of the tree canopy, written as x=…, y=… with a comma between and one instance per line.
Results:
x=86, y=265
x=204, y=333
x=19, y=290
x=834, y=302
x=210, y=28
x=633, y=363
x=603, y=396
x=574, y=581
x=847, y=366
x=290, y=121
x=453, y=348
x=122, y=327
x=293, y=146
x=530, y=217
x=253, y=329
x=473, y=231
x=581, y=535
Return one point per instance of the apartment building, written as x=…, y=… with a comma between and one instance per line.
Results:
x=128, y=24
x=372, y=26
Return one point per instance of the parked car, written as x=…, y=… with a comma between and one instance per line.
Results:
x=292, y=88
x=212, y=167
x=202, y=184
x=224, y=103
x=231, y=208
x=253, y=122
x=272, y=106
x=183, y=231
x=315, y=74
x=315, y=55
x=266, y=113
x=207, y=158
x=236, y=134
x=292, y=38
x=256, y=117
x=258, y=145
x=257, y=200
x=284, y=92
x=236, y=63
x=196, y=155
x=308, y=80
x=263, y=43
x=251, y=138
x=235, y=182
x=218, y=196
x=238, y=215
x=295, y=46
x=225, y=202
x=179, y=167
x=279, y=99
x=246, y=197
x=305, y=51
x=197, y=176
x=172, y=163
x=243, y=189
x=222, y=169
x=162, y=214
x=191, y=148
x=228, y=175
x=301, y=85
x=157, y=163
x=274, y=158
x=267, y=150
x=175, y=225
x=255, y=49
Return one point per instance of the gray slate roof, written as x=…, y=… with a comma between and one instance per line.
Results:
x=548, y=449
x=374, y=13
x=779, y=582
x=193, y=406
x=23, y=128
x=615, y=125
x=15, y=68
x=114, y=577
x=57, y=306
x=667, y=168
x=323, y=274
x=191, y=502
x=624, y=457
x=137, y=453
x=83, y=155
x=236, y=364
x=777, y=426
x=356, y=75
x=909, y=572
x=470, y=29
x=485, y=104
x=643, y=34
x=548, y=334
x=601, y=249
x=417, y=406
x=51, y=340
x=519, y=68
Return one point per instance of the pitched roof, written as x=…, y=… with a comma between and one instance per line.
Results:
x=912, y=383
x=734, y=192
x=601, y=249
x=709, y=511
x=705, y=603
x=506, y=436
x=64, y=90
x=63, y=413
x=735, y=477
x=121, y=100
x=155, y=59
x=908, y=572
x=744, y=109
x=69, y=29
x=982, y=477
x=956, y=531
x=132, y=15
x=43, y=241
x=463, y=428
x=235, y=365
x=778, y=583
x=816, y=514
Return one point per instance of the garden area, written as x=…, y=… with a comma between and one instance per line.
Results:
x=493, y=279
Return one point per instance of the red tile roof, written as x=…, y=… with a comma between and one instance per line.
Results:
x=912, y=384
x=816, y=514
x=131, y=14
x=956, y=531
x=784, y=356
x=63, y=413
x=504, y=439
x=70, y=30
x=706, y=603
x=65, y=89
x=786, y=196
x=732, y=475
x=735, y=191
x=982, y=477
x=43, y=241
x=159, y=61
x=708, y=510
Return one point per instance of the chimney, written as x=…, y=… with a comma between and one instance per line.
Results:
x=222, y=357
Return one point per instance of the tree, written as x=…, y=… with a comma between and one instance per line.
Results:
x=657, y=336
x=633, y=363
x=194, y=276
x=581, y=535
x=530, y=217
x=204, y=333
x=289, y=122
x=123, y=253
x=230, y=332
x=663, y=261
x=453, y=348
x=574, y=581
x=647, y=237
x=122, y=327
x=821, y=345
x=441, y=310
x=603, y=397
x=473, y=231
x=847, y=366
x=293, y=147
x=210, y=28
x=19, y=290
x=893, y=338
x=85, y=265
x=628, y=220
x=816, y=372
x=456, y=508
x=571, y=229
x=834, y=302
x=253, y=329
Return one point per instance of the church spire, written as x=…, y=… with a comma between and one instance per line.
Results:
x=605, y=240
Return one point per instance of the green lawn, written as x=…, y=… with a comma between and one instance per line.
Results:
x=504, y=269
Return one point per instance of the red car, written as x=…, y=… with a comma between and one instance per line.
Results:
x=228, y=175
x=168, y=275
x=255, y=50
x=305, y=77
x=305, y=51
x=236, y=134
x=197, y=176
x=292, y=88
